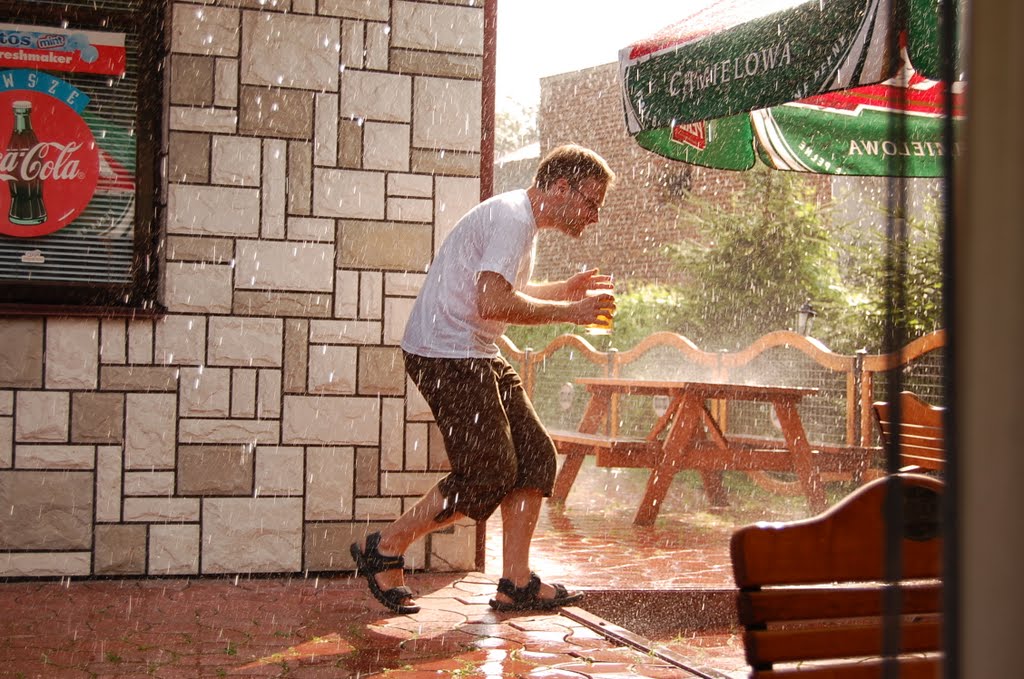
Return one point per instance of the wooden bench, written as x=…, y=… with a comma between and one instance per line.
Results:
x=812, y=594
x=608, y=451
x=922, y=439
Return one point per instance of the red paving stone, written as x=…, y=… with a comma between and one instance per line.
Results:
x=331, y=627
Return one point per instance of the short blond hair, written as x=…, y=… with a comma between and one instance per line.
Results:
x=574, y=163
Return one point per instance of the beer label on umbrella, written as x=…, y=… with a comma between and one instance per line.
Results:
x=49, y=160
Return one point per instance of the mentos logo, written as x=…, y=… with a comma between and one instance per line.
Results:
x=16, y=39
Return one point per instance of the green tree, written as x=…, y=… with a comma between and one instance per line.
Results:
x=757, y=255
x=873, y=280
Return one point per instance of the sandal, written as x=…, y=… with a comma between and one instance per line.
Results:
x=369, y=562
x=525, y=598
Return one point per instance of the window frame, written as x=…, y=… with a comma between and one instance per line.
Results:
x=140, y=295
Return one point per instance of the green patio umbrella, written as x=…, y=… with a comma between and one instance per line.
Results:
x=804, y=85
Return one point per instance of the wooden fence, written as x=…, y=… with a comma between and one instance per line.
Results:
x=840, y=414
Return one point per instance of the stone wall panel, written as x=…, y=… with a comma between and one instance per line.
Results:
x=277, y=304
x=285, y=265
x=370, y=95
x=181, y=340
x=21, y=361
x=245, y=342
x=419, y=62
x=330, y=474
x=200, y=249
x=459, y=128
x=273, y=56
x=381, y=371
x=174, y=550
x=42, y=417
x=252, y=535
x=348, y=194
x=55, y=457
x=197, y=29
x=213, y=211
x=299, y=181
x=188, y=158
x=438, y=28
x=120, y=550
x=192, y=80
x=138, y=378
x=149, y=440
x=215, y=470
x=6, y=442
x=45, y=511
x=377, y=10
x=275, y=112
x=383, y=245
x=330, y=421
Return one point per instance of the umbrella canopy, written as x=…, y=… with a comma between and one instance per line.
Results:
x=806, y=85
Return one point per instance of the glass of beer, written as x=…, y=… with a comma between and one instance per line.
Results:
x=605, y=321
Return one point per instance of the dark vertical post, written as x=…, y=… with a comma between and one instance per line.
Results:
x=487, y=97
x=895, y=339
x=948, y=51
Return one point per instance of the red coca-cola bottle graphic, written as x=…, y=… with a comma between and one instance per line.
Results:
x=26, y=186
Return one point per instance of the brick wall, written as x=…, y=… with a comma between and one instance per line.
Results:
x=317, y=153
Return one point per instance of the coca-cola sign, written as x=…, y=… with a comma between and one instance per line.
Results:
x=49, y=163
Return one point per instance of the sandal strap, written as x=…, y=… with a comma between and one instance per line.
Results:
x=398, y=594
x=526, y=593
x=374, y=562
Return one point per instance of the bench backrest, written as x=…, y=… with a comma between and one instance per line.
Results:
x=812, y=600
x=922, y=439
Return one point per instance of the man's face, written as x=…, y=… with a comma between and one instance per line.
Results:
x=578, y=206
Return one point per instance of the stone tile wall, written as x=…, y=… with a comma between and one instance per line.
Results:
x=317, y=153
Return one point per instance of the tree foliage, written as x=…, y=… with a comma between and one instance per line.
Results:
x=757, y=256
x=894, y=278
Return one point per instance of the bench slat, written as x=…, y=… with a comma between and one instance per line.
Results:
x=910, y=668
x=838, y=641
x=609, y=451
x=810, y=603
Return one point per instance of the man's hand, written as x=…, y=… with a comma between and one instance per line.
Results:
x=577, y=286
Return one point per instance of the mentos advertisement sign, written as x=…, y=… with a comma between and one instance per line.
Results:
x=52, y=49
x=49, y=159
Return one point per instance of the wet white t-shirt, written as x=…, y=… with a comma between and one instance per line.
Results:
x=498, y=235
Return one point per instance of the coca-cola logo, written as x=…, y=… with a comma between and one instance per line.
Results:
x=42, y=161
x=49, y=163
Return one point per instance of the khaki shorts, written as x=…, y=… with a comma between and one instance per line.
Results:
x=494, y=439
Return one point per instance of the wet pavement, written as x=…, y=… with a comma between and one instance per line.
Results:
x=659, y=604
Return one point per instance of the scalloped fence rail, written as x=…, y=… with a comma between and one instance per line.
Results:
x=839, y=415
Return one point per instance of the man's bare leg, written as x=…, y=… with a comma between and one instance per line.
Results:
x=396, y=538
x=520, y=511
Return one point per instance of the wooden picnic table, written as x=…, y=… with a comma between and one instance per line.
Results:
x=688, y=436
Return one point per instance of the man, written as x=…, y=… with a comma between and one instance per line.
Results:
x=499, y=451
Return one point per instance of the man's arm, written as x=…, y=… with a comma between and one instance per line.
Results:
x=573, y=288
x=497, y=300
